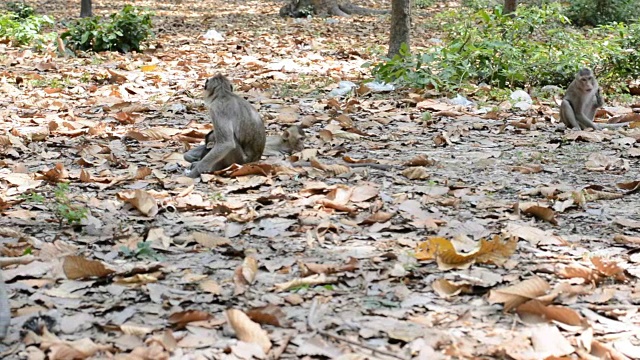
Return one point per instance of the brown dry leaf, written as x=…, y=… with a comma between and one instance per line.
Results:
x=307, y=269
x=363, y=193
x=604, y=351
x=166, y=339
x=609, y=268
x=631, y=187
x=627, y=223
x=447, y=289
x=420, y=160
x=249, y=269
x=575, y=270
x=63, y=350
x=624, y=239
x=180, y=319
x=77, y=267
x=540, y=212
x=144, y=202
x=550, y=344
x=247, y=330
x=592, y=195
x=416, y=173
x=211, y=287
x=495, y=251
x=515, y=295
x=209, y=240
x=253, y=169
x=318, y=279
x=531, y=169
x=378, y=217
x=550, y=312
x=270, y=315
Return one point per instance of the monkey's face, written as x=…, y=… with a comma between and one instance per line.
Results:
x=586, y=83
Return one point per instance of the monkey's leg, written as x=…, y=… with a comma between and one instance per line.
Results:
x=221, y=156
x=567, y=115
x=5, y=312
x=196, y=154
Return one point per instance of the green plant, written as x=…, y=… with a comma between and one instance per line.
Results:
x=598, y=12
x=61, y=206
x=20, y=9
x=423, y=4
x=536, y=47
x=124, y=31
x=143, y=250
x=22, y=31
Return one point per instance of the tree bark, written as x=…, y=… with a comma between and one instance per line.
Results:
x=400, y=26
x=85, y=8
x=510, y=6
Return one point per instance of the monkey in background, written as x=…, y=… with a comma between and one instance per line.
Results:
x=238, y=137
x=5, y=312
x=582, y=99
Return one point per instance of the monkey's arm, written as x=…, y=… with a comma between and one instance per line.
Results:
x=5, y=312
x=567, y=115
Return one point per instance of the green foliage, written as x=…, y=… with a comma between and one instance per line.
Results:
x=20, y=9
x=61, y=206
x=423, y=4
x=598, y=12
x=536, y=47
x=25, y=30
x=143, y=251
x=124, y=31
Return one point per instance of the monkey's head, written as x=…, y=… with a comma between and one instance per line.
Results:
x=216, y=85
x=294, y=136
x=585, y=79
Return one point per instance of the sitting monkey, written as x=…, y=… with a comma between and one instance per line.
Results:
x=239, y=135
x=582, y=99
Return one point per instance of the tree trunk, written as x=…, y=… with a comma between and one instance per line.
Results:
x=510, y=6
x=304, y=8
x=85, y=8
x=400, y=26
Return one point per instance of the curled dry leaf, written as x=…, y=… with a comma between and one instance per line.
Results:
x=307, y=269
x=515, y=295
x=495, y=251
x=270, y=315
x=420, y=160
x=447, y=289
x=540, y=212
x=247, y=330
x=609, y=268
x=416, y=173
x=182, y=318
x=631, y=187
x=144, y=202
x=77, y=267
x=550, y=312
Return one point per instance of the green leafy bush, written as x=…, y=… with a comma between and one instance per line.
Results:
x=123, y=31
x=536, y=47
x=20, y=9
x=22, y=31
x=598, y=12
x=61, y=206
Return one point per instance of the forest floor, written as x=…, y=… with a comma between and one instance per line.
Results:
x=494, y=235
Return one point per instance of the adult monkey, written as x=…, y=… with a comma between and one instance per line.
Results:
x=582, y=99
x=291, y=140
x=239, y=135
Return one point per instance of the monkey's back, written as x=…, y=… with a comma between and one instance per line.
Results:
x=248, y=127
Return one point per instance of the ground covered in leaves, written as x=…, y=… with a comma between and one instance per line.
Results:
x=494, y=234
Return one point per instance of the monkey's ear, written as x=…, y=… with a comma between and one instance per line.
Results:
x=206, y=83
x=286, y=135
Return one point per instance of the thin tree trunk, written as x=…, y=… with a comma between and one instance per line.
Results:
x=400, y=26
x=85, y=8
x=510, y=6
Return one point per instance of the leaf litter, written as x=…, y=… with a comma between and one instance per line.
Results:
x=490, y=235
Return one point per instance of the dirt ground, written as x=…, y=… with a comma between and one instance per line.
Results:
x=494, y=234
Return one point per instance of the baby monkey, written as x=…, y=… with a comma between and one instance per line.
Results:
x=582, y=99
x=291, y=140
x=239, y=135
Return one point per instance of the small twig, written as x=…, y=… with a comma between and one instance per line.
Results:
x=277, y=352
x=6, y=261
x=365, y=346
